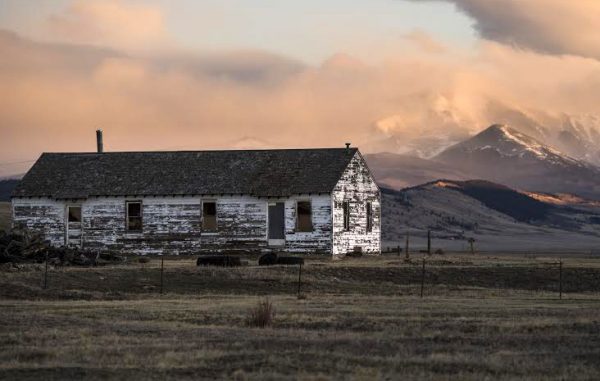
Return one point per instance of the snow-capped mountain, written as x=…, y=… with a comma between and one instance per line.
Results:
x=505, y=155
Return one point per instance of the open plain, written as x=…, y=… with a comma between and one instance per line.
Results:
x=481, y=317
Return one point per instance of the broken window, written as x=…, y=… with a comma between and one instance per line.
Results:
x=304, y=216
x=209, y=216
x=346, y=215
x=74, y=213
x=134, y=215
x=369, y=217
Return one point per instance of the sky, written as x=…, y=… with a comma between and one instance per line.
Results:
x=222, y=74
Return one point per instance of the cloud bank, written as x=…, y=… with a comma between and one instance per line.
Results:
x=54, y=95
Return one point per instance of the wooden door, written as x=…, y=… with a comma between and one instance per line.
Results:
x=276, y=224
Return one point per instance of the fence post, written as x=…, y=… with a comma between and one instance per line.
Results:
x=299, y=278
x=162, y=267
x=422, y=277
x=46, y=272
x=560, y=278
x=398, y=250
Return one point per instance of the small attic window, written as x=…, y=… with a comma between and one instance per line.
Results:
x=209, y=216
x=304, y=216
x=134, y=215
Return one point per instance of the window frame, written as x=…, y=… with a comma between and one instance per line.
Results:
x=69, y=214
x=202, y=226
x=127, y=216
x=346, y=215
x=369, y=212
x=312, y=225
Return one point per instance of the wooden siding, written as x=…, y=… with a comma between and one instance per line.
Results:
x=172, y=225
x=358, y=187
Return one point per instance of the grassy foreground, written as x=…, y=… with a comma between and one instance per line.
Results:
x=361, y=319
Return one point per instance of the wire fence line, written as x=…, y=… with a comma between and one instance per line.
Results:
x=423, y=276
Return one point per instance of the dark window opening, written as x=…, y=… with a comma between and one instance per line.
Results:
x=304, y=216
x=74, y=213
x=369, y=217
x=209, y=216
x=346, y=215
x=134, y=216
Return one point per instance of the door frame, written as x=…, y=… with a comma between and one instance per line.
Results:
x=275, y=242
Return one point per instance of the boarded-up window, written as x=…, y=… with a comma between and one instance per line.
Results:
x=134, y=215
x=369, y=217
x=209, y=216
x=74, y=213
x=346, y=215
x=304, y=216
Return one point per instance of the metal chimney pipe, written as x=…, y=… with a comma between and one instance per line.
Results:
x=347, y=147
x=99, y=141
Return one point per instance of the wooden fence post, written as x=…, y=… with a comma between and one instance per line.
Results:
x=162, y=267
x=422, y=277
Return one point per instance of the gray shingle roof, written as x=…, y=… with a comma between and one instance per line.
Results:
x=265, y=173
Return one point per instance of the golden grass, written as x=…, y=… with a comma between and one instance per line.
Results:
x=361, y=319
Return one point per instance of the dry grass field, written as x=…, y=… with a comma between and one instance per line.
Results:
x=363, y=319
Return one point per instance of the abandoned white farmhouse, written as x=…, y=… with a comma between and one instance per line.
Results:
x=185, y=202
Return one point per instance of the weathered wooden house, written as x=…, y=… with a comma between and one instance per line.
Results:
x=185, y=202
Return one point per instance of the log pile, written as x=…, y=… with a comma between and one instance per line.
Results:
x=24, y=246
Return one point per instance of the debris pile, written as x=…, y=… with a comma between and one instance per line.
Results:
x=24, y=246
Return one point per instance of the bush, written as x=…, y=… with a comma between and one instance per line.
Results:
x=262, y=315
x=267, y=259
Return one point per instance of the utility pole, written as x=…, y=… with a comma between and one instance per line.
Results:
x=428, y=242
x=406, y=246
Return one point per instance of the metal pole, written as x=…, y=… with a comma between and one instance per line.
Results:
x=299, y=278
x=423, y=278
x=398, y=250
x=560, y=278
x=162, y=267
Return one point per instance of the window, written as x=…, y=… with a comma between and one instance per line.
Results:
x=209, y=216
x=74, y=213
x=134, y=215
x=304, y=216
x=346, y=215
x=369, y=217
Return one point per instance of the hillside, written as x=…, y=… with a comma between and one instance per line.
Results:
x=6, y=188
x=497, y=217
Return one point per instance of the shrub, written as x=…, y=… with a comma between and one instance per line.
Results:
x=262, y=315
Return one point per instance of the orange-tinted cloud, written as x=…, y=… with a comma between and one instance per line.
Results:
x=112, y=23
x=53, y=97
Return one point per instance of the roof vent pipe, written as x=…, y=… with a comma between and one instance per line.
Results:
x=99, y=141
x=347, y=147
